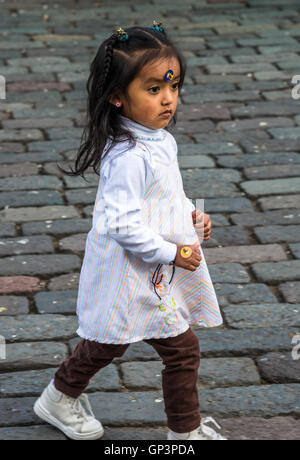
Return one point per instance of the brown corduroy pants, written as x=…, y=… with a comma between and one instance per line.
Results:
x=180, y=356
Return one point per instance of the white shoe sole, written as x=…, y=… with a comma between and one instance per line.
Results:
x=41, y=412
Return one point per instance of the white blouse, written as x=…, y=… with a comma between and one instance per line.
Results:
x=140, y=215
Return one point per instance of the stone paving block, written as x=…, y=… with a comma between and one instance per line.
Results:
x=31, y=198
x=195, y=161
x=279, y=368
x=271, y=187
x=272, y=172
x=39, y=264
x=226, y=205
x=7, y=229
x=19, y=284
x=34, y=157
x=245, y=254
x=33, y=355
x=252, y=159
x=274, y=272
x=254, y=123
x=29, y=214
x=88, y=196
x=260, y=108
x=59, y=146
x=74, y=243
x=32, y=433
x=242, y=293
x=229, y=236
x=283, y=133
x=262, y=315
x=33, y=382
x=13, y=305
x=215, y=148
x=290, y=292
x=295, y=249
x=285, y=217
x=30, y=182
x=229, y=273
x=219, y=342
x=56, y=302
x=63, y=282
x=57, y=226
x=38, y=327
x=29, y=245
x=21, y=169
x=278, y=233
x=21, y=135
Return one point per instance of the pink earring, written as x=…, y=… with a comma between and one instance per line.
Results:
x=118, y=104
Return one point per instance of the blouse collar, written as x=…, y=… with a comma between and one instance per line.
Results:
x=142, y=132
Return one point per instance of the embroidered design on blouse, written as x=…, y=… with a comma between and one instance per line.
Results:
x=156, y=139
x=167, y=303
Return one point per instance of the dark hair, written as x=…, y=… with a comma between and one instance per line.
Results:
x=115, y=65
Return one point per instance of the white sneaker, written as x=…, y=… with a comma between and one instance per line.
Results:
x=202, y=433
x=67, y=414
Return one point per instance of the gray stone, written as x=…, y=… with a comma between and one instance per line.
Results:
x=279, y=368
x=247, y=254
x=33, y=355
x=279, y=202
x=32, y=433
x=228, y=273
x=270, y=172
x=263, y=400
x=219, y=342
x=85, y=196
x=57, y=226
x=272, y=145
x=278, y=233
x=214, y=148
x=13, y=305
x=39, y=264
x=229, y=236
x=274, y=272
x=31, y=198
x=33, y=382
x=195, y=161
x=62, y=302
x=226, y=205
x=262, y=315
x=38, y=327
x=62, y=282
x=34, y=157
x=285, y=217
x=37, y=213
x=271, y=187
x=255, y=123
x=243, y=293
x=252, y=159
x=29, y=245
x=29, y=183
x=290, y=292
x=7, y=229
x=74, y=243
x=295, y=248
x=285, y=133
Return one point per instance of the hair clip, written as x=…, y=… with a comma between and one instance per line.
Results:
x=121, y=34
x=157, y=26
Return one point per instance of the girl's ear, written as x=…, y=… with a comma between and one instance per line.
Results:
x=115, y=99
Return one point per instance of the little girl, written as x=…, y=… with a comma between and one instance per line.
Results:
x=144, y=275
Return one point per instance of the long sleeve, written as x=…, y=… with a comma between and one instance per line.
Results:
x=123, y=192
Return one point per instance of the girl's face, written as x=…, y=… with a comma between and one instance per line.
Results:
x=150, y=94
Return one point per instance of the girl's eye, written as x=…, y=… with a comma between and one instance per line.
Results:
x=154, y=87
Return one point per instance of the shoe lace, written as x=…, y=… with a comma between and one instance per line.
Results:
x=77, y=407
x=208, y=432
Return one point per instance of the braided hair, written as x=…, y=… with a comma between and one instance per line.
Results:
x=115, y=65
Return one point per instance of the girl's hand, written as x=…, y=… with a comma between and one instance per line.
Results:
x=202, y=222
x=191, y=263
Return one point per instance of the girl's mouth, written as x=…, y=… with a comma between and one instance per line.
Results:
x=166, y=114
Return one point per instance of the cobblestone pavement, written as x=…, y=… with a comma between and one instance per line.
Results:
x=238, y=132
